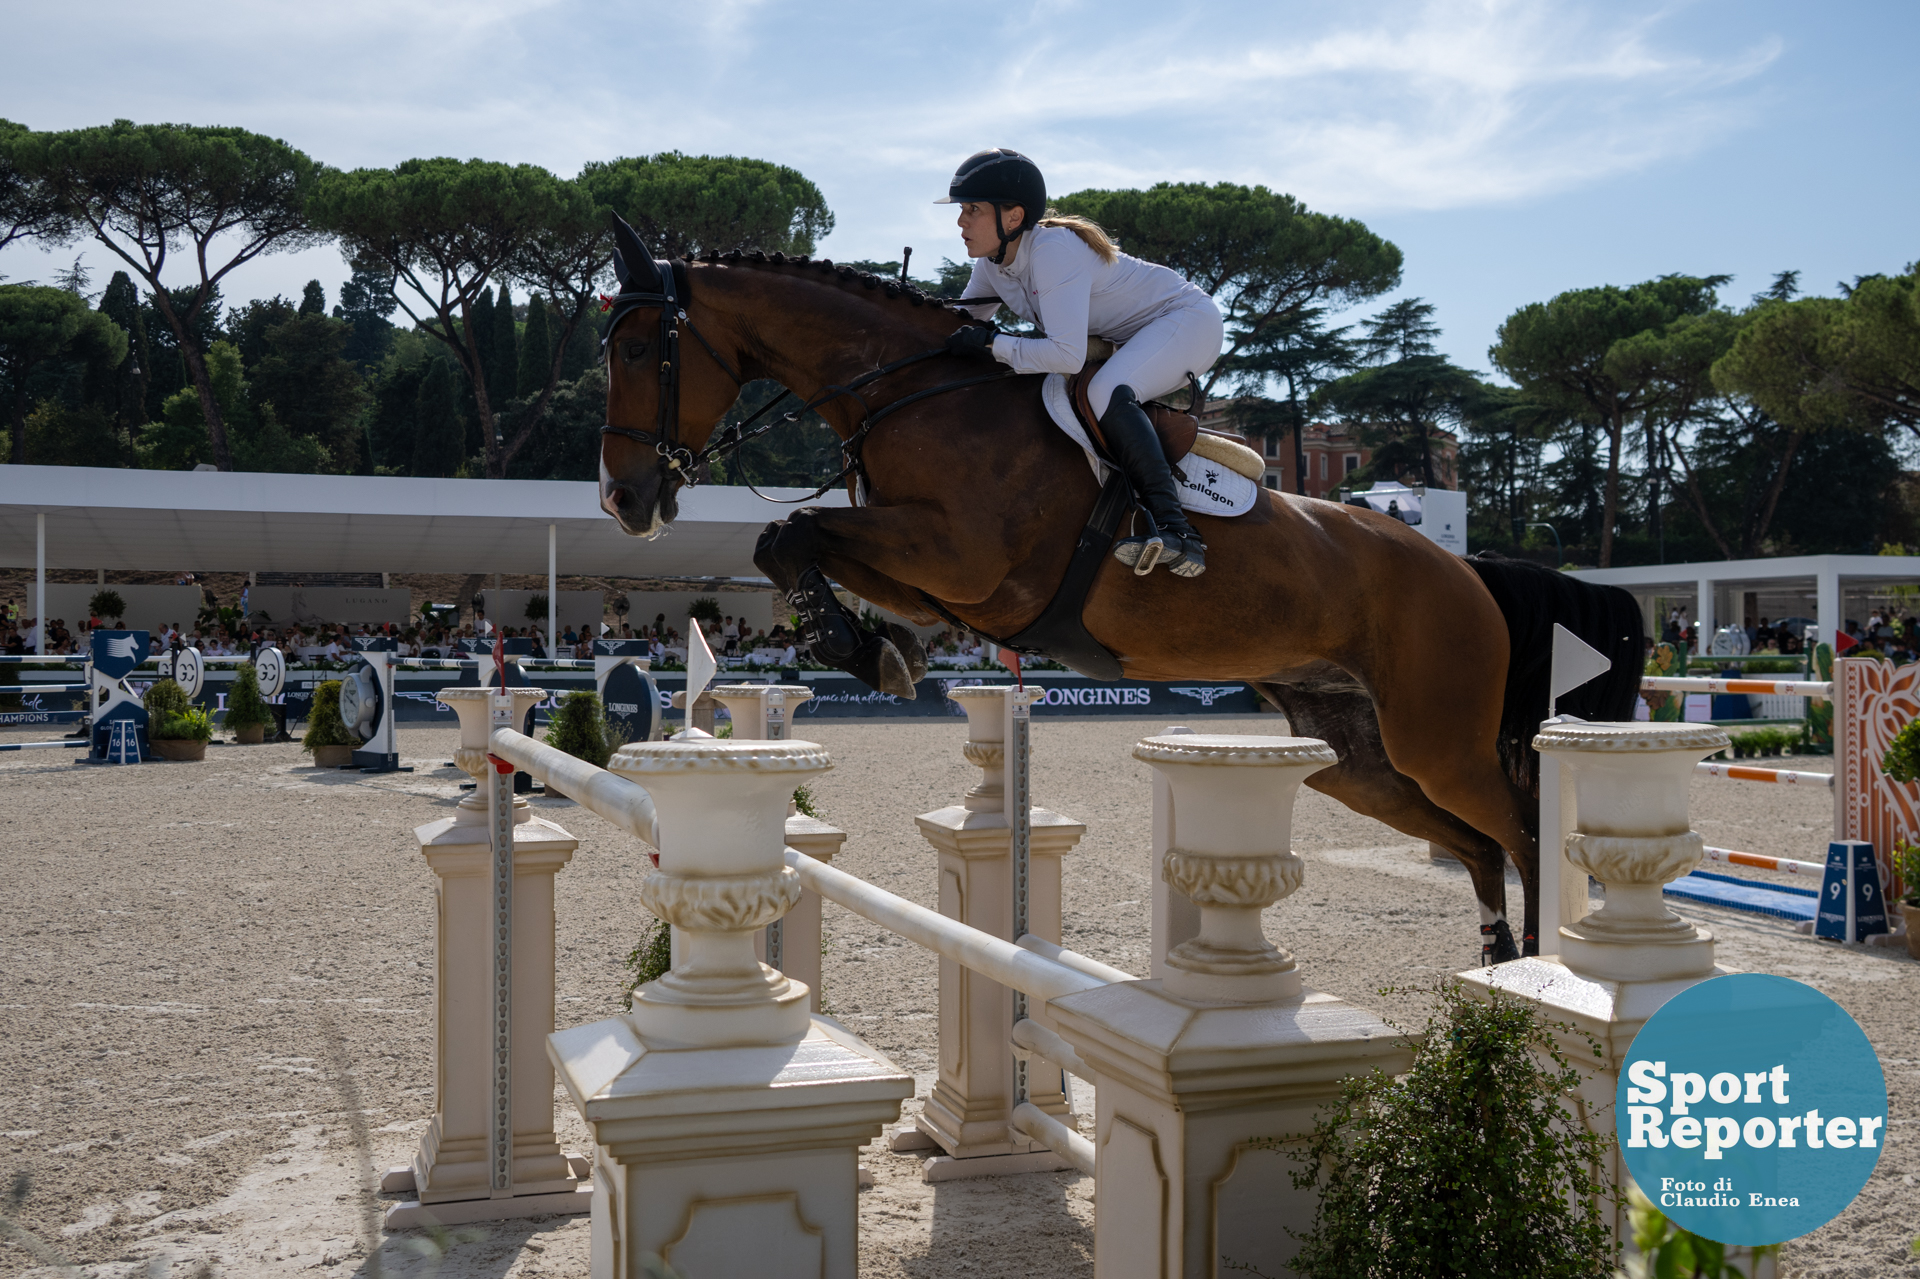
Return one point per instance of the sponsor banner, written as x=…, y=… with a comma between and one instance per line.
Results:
x=834, y=696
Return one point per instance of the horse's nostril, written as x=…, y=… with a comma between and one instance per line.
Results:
x=620, y=496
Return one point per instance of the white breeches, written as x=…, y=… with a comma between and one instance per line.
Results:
x=1156, y=360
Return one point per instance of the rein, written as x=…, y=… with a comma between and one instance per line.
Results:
x=676, y=291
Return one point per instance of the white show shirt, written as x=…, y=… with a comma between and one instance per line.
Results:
x=1059, y=283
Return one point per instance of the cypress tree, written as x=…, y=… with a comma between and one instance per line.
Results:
x=536, y=349
x=439, y=437
x=483, y=329
x=583, y=350
x=314, y=300
x=503, y=366
x=121, y=304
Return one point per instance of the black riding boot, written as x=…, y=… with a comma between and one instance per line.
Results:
x=836, y=638
x=1131, y=440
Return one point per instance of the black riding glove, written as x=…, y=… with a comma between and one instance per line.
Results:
x=974, y=342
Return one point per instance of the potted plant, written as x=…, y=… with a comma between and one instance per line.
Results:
x=177, y=729
x=248, y=714
x=579, y=728
x=107, y=606
x=326, y=737
x=1906, y=863
x=172, y=735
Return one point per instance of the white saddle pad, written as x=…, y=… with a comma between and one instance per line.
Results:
x=1209, y=488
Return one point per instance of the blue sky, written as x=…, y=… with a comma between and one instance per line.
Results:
x=1512, y=150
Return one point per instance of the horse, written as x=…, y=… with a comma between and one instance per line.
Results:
x=1424, y=671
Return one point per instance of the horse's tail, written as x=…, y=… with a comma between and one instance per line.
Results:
x=1532, y=598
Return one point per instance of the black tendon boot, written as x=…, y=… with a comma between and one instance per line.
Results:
x=836, y=638
x=1496, y=944
x=1131, y=440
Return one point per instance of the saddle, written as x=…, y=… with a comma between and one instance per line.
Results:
x=1177, y=429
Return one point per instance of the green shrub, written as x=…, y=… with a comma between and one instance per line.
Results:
x=163, y=699
x=650, y=959
x=1474, y=1156
x=1902, y=760
x=803, y=801
x=190, y=725
x=323, y=721
x=106, y=605
x=580, y=729
x=536, y=609
x=706, y=609
x=245, y=707
x=1770, y=666
x=1906, y=863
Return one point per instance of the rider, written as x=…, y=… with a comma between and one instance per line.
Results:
x=1066, y=276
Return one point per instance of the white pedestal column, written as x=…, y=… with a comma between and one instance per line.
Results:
x=1230, y=1048
x=761, y=712
x=969, y=1111
x=727, y=1120
x=1628, y=787
x=449, y=1176
x=792, y=942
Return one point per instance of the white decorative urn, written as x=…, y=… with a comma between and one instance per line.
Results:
x=1231, y=854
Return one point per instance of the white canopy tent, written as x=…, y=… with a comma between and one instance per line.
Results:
x=1717, y=587
x=223, y=521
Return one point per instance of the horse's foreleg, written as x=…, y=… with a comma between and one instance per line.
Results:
x=788, y=553
x=883, y=554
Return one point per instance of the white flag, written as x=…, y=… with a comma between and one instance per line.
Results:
x=700, y=664
x=1574, y=663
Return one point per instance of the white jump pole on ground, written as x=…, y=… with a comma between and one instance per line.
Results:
x=40, y=584
x=553, y=583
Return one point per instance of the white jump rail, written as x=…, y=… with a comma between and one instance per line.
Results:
x=1036, y=967
x=1818, y=690
x=1779, y=776
x=1734, y=857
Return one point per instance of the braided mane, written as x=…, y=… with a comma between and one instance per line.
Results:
x=890, y=288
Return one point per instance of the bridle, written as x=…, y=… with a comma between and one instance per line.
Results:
x=665, y=437
x=683, y=463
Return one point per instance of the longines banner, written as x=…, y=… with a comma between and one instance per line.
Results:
x=843, y=697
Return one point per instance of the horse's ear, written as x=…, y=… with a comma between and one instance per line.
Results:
x=632, y=264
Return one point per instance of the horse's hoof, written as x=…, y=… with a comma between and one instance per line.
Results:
x=894, y=676
x=911, y=649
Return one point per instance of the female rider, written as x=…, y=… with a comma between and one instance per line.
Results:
x=1065, y=275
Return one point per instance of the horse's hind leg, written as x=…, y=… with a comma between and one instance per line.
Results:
x=1367, y=782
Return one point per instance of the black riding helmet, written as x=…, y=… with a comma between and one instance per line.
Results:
x=997, y=177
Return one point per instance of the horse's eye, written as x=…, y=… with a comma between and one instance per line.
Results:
x=632, y=350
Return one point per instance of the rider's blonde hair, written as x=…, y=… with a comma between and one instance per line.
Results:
x=1087, y=229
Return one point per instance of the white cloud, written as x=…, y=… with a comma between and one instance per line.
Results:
x=1359, y=109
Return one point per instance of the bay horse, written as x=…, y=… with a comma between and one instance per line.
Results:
x=1426, y=672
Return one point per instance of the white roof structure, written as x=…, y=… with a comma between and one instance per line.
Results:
x=227, y=521
x=1825, y=581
